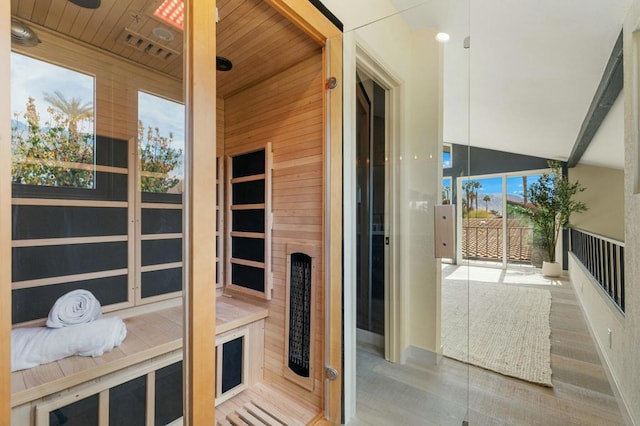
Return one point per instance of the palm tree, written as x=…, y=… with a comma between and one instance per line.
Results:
x=524, y=190
x=75, y=109
x=486, y=200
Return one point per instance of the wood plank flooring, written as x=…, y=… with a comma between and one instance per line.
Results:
x=392, y=394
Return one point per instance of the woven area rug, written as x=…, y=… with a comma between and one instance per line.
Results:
x=499, y=327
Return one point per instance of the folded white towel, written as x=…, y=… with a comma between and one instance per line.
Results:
x=76, y=307
x=32, y=346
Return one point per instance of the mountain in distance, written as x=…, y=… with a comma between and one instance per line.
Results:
x=497, y=201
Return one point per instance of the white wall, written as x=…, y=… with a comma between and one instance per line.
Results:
x=626, y=366
x=412, y=59
x=604, y=196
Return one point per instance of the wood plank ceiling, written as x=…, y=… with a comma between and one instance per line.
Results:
x=256, y=38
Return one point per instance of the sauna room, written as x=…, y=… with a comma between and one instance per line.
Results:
x=100, y=175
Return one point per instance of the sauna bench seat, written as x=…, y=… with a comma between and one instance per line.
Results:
x=149, y=335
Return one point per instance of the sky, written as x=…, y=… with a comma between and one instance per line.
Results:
x=514, y=184
x=31, y=77
x=168, y=117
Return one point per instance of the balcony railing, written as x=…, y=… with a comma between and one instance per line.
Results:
x=604, y=259
x=482, y=240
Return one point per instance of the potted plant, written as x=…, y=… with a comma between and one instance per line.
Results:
x=551, y=201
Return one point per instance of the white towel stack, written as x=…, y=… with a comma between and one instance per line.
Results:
x=75, y=327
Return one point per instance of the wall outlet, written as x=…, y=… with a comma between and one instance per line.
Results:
x=610, y=334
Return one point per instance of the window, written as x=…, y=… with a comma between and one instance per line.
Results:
x=52, y=125
x=447, y=156
x=160, y=144
x=446, y=190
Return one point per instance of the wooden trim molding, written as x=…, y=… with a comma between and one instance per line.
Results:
x=5, y=212
x=199, y=229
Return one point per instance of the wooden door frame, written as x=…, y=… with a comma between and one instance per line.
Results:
x=5, y=211
x=358, y=56
x=319, y=28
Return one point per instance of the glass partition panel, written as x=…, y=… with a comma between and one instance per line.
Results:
x=406, y=150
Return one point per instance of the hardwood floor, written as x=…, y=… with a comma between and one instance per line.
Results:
x=392, y=394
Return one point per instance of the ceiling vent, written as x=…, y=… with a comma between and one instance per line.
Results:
x=148, y=46
x=23, y=35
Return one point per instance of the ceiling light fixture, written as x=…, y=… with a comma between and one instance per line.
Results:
x=443, y=37
x=22, y=34
x=171, y=12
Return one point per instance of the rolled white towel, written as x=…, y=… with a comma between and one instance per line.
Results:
x=76, y=307
x=33, y=346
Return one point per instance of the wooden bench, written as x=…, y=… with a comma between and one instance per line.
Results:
x=153, y=339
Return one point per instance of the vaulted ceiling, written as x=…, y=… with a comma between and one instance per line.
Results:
x=527, y=81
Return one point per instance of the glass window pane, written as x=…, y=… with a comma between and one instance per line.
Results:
x=160, y=144
x=52, y=124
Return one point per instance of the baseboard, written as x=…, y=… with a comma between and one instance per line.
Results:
x=419, y=356
x=370, y=338
x=604, y=358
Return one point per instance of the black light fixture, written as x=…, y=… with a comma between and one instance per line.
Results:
x=223, y=64
x=87, y=4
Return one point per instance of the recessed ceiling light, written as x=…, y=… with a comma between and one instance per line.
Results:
x=172, y=12
x=443, y=37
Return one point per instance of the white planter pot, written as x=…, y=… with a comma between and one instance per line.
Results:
x=551, y=269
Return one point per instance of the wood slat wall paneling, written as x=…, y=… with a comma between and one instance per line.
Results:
x=248, y=232
x=250, y=123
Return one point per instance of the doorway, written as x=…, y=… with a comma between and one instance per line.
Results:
x=371, y=207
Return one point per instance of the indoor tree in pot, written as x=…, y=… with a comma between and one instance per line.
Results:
x=550, y=205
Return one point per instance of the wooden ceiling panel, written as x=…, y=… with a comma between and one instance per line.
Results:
x=259, y=41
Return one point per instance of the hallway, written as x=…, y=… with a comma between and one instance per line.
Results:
x=390, y=394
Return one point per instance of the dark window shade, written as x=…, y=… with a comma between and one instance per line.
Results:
x=165, y=281
x=247, y=248
x=156, y=252
x=161, y=221
x=159, y=197
x=128, y=403
x=249, y=164
x=111, y=152
x=248, y=277
x=81, y=413
x=108, y=187
x=33, y=222
x=251, y=192
x=168, y=395
x=53, y=261
x=232, y=364
x=36, y=302
x=247, y=220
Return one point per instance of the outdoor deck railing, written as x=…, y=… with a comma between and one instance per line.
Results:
x=604, y=259
x=484, y=242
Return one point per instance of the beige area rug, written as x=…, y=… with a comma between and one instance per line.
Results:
x=499, y=327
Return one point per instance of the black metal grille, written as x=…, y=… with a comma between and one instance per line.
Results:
x=300, y=314
x=604, y=260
